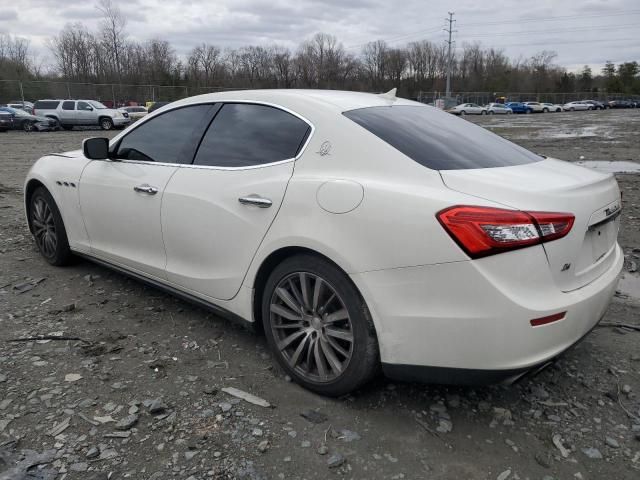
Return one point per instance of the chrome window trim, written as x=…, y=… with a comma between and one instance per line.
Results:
x=212, y=167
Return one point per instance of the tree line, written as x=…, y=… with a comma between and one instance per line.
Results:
x=107, y=55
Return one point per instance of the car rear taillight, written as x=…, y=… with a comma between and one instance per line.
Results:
x=483, y=231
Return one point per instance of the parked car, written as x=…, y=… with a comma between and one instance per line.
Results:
x=498, y=109
x=519, y=107
x=71, y=113
x=596, y=104
x=468, y=109
x=18, y=104
x=436, y=292
x=537, y=107
x=620, y=104
x=578, y=105
x=21, y=120
x=553, y=107
x=6, y=121
x=157, y=105
x=135, y=113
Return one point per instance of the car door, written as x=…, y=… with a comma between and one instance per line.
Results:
x=120, y=198
x=86, y=114
x=67, y=113
x=216, y=212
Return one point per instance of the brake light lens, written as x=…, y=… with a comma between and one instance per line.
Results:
x=484, y=231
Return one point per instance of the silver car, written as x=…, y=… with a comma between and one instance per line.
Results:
x=468, y=109
x=72, y=113
x=498, y=109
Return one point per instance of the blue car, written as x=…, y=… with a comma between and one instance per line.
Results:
x=519, y=107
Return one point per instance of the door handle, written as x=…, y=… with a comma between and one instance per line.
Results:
x=145, y=188
x=255, y=200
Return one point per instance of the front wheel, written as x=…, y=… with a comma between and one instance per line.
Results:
x=490, y=112
x=318, y=326
x=106, y=123
x=483, y=112
x=48, y=228
x=27, y=126
x=528, y=111
x=463, y=113
x=545, y=110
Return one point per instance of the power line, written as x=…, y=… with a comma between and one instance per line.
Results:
x=562, y=30
x=530, y=20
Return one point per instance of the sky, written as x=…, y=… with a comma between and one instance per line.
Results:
x=580, y=31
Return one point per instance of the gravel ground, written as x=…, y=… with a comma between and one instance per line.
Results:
x=137, y=389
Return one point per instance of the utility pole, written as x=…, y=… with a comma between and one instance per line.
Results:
x=450, y=31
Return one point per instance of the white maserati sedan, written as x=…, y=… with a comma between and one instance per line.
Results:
x=359, y=231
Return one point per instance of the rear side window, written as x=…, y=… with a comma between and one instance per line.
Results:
x=439, y=140
x=168, y=138
x=68, y=105
x=245, y=134
x=46, y=105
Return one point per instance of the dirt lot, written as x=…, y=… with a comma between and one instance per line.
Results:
x=140, y=395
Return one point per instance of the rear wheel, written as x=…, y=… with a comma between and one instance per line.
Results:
x=48, y=228
x=572, y=109
x=545, y=110
x=490, y=112
x=318, y=326
x=483, y=112
x=463, y=113
x=528, y=110
x=27, y=126
x=106, y=123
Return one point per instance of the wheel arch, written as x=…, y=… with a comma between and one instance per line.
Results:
x=269, y=263
x=29, y=190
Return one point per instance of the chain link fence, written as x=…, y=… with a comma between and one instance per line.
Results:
x=108, y=93
x=120, y=94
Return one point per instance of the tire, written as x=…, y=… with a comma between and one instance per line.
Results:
x=331, y=364
x=545, y=110
x=27, y=126
x=572, y=109
x=589, y=108
x=483, y=112
x=67, y=127
x=106, y=123
x=48, y=229
x=528, y=111
x=462, y=113
x=509, y=112
x=490, y=112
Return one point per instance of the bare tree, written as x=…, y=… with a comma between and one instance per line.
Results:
x=112, y=31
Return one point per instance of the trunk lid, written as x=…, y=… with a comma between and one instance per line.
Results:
x=556, y=186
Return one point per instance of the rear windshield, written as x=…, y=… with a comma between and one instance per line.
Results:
x=46, y=105
x=439, y=140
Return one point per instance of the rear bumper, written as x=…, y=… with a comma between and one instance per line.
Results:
x=120, y=121
x=469, y=322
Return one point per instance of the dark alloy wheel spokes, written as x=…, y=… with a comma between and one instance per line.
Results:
x=311, y=327
x=44, y=228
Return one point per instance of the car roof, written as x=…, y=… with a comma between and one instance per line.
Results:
x=335, y=100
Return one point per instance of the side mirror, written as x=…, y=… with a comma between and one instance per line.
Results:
x=96, y=148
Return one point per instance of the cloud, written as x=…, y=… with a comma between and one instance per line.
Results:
x=7, y=15
x=580, y=31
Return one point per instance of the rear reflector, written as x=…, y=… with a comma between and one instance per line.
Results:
x=536, y=322
x=483, y=231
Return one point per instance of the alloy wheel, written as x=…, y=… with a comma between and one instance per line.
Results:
x=311, y=326
x=27, y=126
x=44, y=228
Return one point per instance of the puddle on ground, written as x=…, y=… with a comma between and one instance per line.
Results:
x=629, y=285
x=616, y=166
